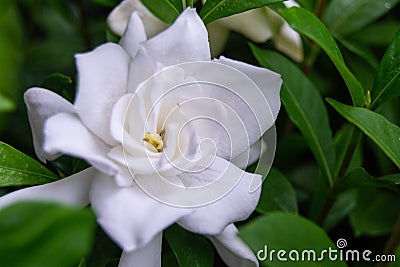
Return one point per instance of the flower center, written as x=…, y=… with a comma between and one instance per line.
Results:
x=156, y=140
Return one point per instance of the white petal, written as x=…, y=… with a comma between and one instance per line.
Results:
x=218, y=37
x=268, y=81
x=251, y=155
x=103, y=75
x=232, y=250
x=186, y=40
x=72, y=190
x=259, y=25
x=118, y=18
x=41, y=105
x=288, y=41
x=128, y=215
x=134, y=35
x=148, y=256
x=235, y=205
x=118, y=117
x=65, y=133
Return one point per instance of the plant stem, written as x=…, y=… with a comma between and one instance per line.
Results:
x=331, y=196
x=320, y=8
x=310, y=60
x=189, y=3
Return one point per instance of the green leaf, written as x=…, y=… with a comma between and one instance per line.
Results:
x=384, y=29
x=348, y=16
x=360, y=178
x=190, y=249
x=344, y=204
x=216, y=9
x=384, y=133
x=304, y=106
x=44, y=234
x=308, y=24
x=18, y=169
x=277, y=194
x=375, y=213
x=166, y=10
x=307, y=4
x=342, y=142
x=387, y=81
x=59, y=83
x=360, y=50
x=288, y=232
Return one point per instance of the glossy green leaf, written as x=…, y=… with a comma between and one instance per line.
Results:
x=277, y=194
x=191, y=250
x=44, y=234
x=18, y=169
x=348, y=16
x=387, y=81
x=166, y=10
x=304, y=106
x=288, y=232
x=375, y=213
x=360, y=178
x=384, y=133
x=308, y=24
x=216, y=9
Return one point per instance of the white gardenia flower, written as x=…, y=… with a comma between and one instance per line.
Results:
x=125, y=125
x=259, y=25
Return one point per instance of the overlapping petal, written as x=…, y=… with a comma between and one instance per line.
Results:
x=65, y=133
x=41, y=105
x=73, y=190
x=134, y=36
x=268, y=81
x=118, y=18
x=149, y=255
x=184, y=41
x=235, y=205
x=232, y=250
x=259, y=25
x=130, y=217
x=102, y=73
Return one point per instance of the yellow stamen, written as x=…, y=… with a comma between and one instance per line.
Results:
x=156, y=140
